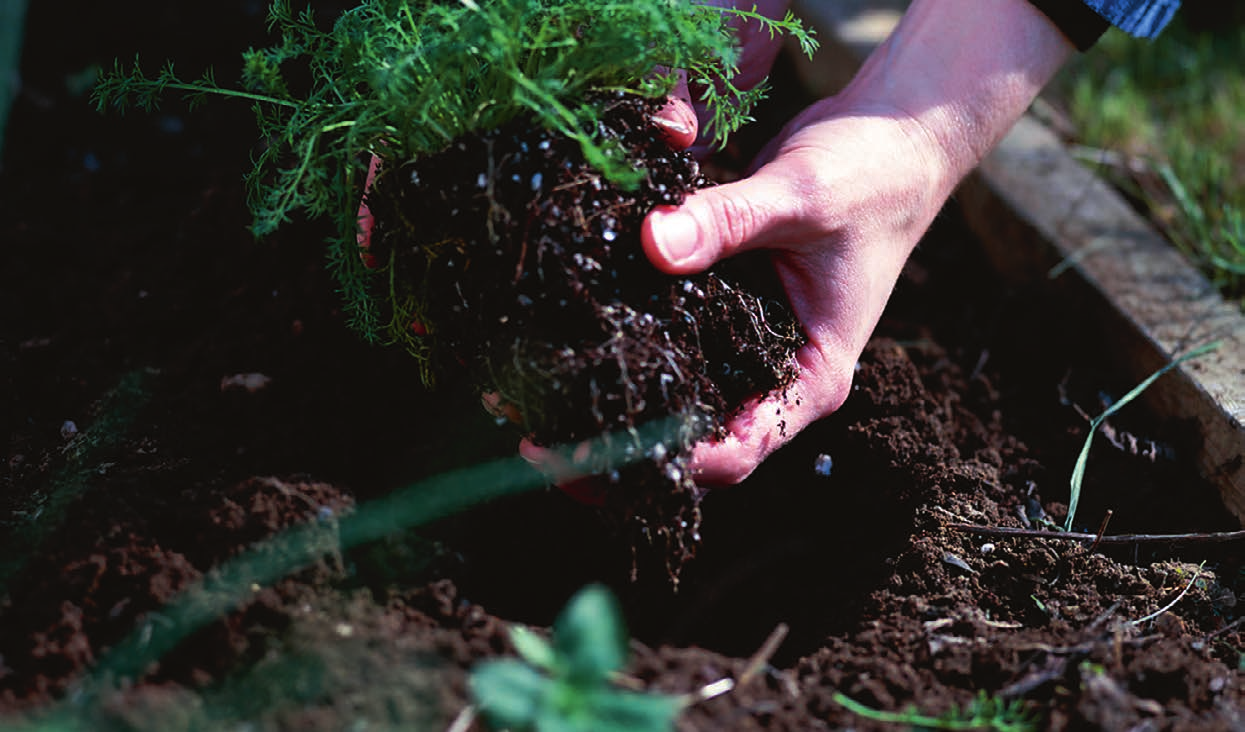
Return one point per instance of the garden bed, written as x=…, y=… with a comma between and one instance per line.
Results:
x=177, y=392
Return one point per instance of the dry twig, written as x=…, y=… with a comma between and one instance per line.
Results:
x=1171, y=604
x=753, y=667
x=1219, y=537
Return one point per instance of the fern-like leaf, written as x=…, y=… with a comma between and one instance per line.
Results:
x=402, y=78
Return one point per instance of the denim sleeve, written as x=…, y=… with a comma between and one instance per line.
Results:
x=1140, y=18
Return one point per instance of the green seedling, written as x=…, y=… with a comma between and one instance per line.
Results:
x=565, y=685
x=1082, y=459
x=983, y=713
x=402, y=79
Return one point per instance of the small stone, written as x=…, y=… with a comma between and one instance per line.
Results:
x=960, y=564
x=823, y=464
x=251, y=382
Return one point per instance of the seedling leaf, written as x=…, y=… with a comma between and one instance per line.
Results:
x=510, y=692
x=623, y=711
x=567, y=686
x=532, y=648
x=590, y=636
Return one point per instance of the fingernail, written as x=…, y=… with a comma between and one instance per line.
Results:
x=676, y=235
x=673, y=125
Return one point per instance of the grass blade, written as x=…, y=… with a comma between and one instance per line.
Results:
x=1078, y=470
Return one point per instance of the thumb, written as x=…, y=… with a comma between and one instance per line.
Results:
x=714, y=223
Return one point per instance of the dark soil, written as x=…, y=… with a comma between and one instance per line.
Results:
x=533, y=287
x=176, y=392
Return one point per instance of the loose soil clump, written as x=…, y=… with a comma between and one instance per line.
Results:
x=534, y=286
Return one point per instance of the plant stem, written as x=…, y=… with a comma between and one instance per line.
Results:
x=221, y=91
x=1008, y=532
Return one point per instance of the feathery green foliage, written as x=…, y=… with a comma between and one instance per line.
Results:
x=402, y=78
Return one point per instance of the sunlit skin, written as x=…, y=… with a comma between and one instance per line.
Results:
x=844, y=193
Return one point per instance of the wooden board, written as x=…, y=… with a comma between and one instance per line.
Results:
x=1039, y=213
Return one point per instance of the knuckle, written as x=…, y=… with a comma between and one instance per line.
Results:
x=736, y=223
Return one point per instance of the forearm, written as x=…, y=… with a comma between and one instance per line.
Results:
x=960, y=73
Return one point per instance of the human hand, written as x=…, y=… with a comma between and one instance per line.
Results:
x=839, y=199
x=844, y=193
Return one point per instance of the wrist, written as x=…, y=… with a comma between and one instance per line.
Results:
x=957, y=74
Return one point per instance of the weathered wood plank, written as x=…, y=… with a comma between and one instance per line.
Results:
x=1034, y=207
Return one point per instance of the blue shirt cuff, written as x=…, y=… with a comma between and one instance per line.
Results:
x=1140, y=18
